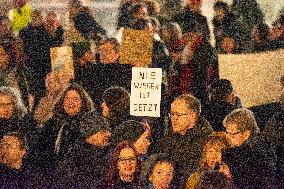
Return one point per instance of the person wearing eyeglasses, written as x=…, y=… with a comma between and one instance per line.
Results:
x=189, y=133
x=125, y=168
x=250, y=161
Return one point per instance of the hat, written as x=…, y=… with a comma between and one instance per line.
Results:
x=114, y=96
x=149, y=164
x=128, y=131
x=91, y=123
x=80, y=48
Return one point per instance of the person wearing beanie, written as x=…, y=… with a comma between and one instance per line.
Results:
x=135, y=133
x=115, y=106
x=86, y=163
x=157, y=172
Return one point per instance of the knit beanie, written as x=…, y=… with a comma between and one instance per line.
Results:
x=79, y=49
x=149, y=164
x=128, y=131
x=91, y=123
x=114, y=96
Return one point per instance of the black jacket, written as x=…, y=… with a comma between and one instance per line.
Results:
x=228, y=27
x=185, y=150
x=27, y=177
x=252, y=165
x=86, y=24
x=190, y=21
x=84, y=166
x=215, y=112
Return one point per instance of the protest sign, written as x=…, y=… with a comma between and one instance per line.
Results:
x=146, y=92
x=136, y=48
x=255, y=77
x=62, y=62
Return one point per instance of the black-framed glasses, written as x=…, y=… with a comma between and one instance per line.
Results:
x=130, y=160
x=233, y=134
x=172, y=114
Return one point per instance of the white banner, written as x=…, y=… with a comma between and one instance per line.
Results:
x=255, y=77
x=146, y=92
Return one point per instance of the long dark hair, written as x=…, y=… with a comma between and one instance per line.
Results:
x=112, y=173
x=87, y=103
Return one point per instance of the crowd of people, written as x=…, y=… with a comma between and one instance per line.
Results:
x=78, y=133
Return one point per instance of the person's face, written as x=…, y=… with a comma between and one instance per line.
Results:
x=72, y=103
x=182, y=117
x=219, y=13
x=194, y=5
x=100, y=139
x=142, y=13
x=6, y=107
x=162, y=175
x=11, y=150
x=228, y=44
x=105, y=110
x=4, y=58
x=143, y=143
x=108, y=54
x=36, y=20
x=235, y=136
x=51, y=18
x=5, y=26
x=213, y=155
x=127, y=162
x=88, y=56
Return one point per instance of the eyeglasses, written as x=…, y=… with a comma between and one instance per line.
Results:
x=172, y=114
x=125, y=160
x=5, y=104
x=233, y=134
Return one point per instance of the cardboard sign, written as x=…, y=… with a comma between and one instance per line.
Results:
x=62, y=62
x=136, y=48
x=255, y=77
x=146, y=92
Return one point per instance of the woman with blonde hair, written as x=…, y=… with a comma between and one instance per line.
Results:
x=211, y=159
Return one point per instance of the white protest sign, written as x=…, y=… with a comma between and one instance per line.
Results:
x=255, y=77
x=146, y=92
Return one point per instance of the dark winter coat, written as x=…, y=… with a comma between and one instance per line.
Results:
x=124, y=17
x=118, y=184
x=215, y=112
x=37, y=50
x=228, y=27
x=27, y=177
x=84, y=166
x=195, y=75
x=274, y=135
x=185, y=151
x=248, y=13
x=86, y=24
x=58, y=39
x=252, y=165
x=191, y=21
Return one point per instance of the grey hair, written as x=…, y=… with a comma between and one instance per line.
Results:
x=19, y=108
x=245, y=120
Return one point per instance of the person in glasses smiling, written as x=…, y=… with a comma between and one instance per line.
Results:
x=189, y=133
x=251, y=162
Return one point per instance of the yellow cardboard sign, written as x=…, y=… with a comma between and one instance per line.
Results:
x=136, y=48
x=62, y=62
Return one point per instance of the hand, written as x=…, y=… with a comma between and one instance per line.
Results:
x=225, y=170
x=31, y=102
